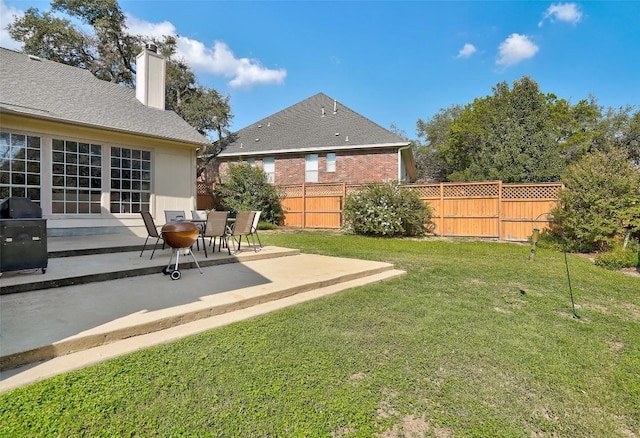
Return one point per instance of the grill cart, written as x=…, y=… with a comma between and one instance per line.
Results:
x=23, y=236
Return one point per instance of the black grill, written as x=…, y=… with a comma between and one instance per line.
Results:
x=23, y=236
x=19, y=208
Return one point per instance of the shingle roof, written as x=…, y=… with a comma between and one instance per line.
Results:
x=304, y=127
x=45, y=89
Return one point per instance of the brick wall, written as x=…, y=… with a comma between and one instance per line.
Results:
x=361, y=167
x=352, y=167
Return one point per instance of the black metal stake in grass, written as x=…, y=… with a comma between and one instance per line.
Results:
x=566, y=264
x=534, y=243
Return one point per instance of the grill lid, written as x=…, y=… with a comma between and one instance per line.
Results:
x=19, y=208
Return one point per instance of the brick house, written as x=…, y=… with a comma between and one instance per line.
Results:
x=318, y=140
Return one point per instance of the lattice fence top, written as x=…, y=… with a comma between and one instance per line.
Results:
x=324, y=190
x=534, y=191
x=425, y=191
x=353, y=189
x=202, y=188
x=291, y=192
x=488, y=190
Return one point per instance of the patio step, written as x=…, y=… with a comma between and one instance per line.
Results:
x=16, y=377
x=101, y=318
x=70, y=267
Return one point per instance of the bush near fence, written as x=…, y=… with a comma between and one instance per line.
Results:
x=486, y=209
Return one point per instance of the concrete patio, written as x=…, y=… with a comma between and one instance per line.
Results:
x=99, y=299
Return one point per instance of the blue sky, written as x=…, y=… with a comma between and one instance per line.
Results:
x=392, y=61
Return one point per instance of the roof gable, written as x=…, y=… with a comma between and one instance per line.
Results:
x=45, y=89
x=316, y=123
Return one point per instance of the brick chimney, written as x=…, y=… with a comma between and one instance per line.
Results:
x=150, y=77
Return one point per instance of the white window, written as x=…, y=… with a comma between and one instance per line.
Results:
x=76, y=177
x=130, y=180
x=331, y=162
x=251, y=162
x=269, y=167
x=311, y=168
x=20, y=166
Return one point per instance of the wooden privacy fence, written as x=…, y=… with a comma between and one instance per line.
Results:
x=488, y=209
x=204, y=201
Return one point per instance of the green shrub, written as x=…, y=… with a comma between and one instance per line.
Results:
x=267, y=226
x=385, y=210
x=245, y=187
x=600, y=202
x=550, y=240
x=618, y=258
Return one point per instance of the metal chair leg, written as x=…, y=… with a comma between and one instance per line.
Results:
x=145, y=245
x=154, y=248
x=204, y=246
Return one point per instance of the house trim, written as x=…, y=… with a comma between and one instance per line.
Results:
x=6, y=112
x=402, y=164
x=314, y=149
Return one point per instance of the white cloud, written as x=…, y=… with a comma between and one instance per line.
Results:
x=514, y=49
x=219, y=60
x=466, y=51
x=567, y=12
x=140, y=27
x=8, y=16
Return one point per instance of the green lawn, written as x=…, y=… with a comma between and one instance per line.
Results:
x=476, y=340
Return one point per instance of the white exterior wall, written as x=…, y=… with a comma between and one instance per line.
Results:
x=174, y=182
x=173, y=177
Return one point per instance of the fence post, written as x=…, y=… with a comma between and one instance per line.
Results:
x=500, y=226
x=441, y=209
x=344, y=196
x=304, y=206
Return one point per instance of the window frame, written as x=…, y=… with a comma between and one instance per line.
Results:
x=331, y=162
x=269, y=168
x=76, y=177
x=25, y=181
x=311, y=168
x=130, y=180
